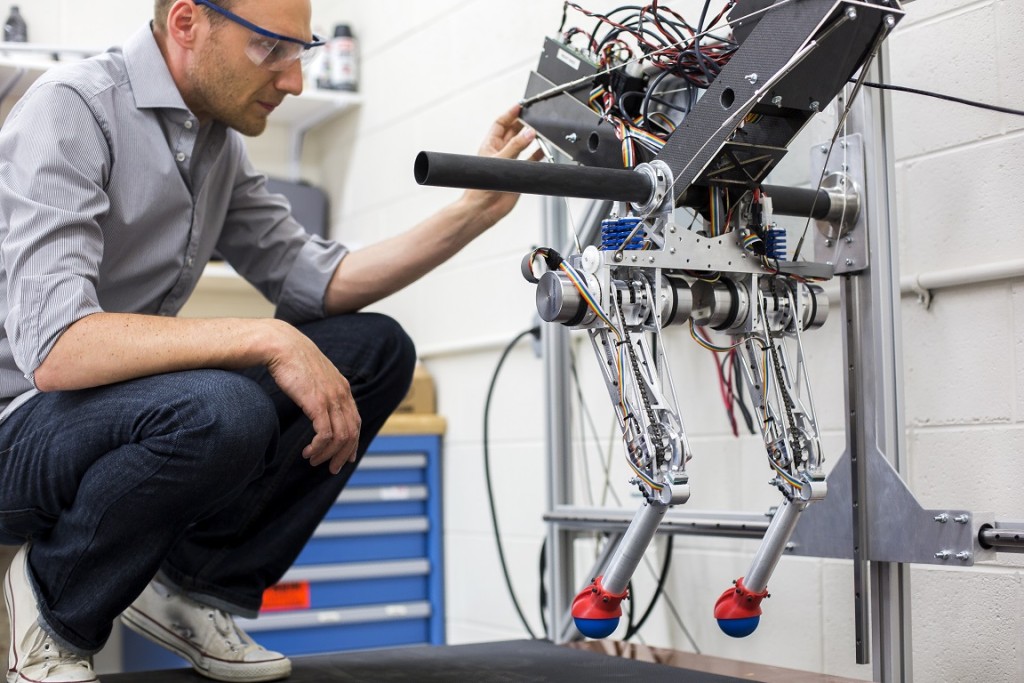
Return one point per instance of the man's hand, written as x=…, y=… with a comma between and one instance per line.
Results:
x=506, y=139
x=315, y=385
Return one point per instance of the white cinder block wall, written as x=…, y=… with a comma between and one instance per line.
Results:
x=436, y=73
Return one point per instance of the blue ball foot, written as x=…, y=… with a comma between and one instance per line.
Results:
x=596, y=628
x=739, y=628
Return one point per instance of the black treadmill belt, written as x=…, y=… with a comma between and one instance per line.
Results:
x=520, y=661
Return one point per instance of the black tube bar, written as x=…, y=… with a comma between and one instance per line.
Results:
x=529, y=177
x=438, y=169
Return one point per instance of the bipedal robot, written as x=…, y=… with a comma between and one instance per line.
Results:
x=701, y=121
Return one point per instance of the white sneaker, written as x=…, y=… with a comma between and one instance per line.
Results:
x=205, y=636
x=35, y=657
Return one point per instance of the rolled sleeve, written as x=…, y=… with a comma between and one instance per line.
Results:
x=302, y=296
x=44, y=307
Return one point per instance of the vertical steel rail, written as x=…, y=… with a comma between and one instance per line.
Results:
x=891, y=594
x=871, y=310
x=557, y=382
x=855, y=447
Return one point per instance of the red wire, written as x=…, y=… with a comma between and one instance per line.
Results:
x=726, y=400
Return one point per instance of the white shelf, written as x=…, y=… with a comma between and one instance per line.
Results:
x=313, y=107
x=305, y=112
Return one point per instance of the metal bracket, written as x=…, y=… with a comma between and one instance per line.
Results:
x=843, y=242
x=900, y=529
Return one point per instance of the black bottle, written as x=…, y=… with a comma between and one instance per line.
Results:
x=15, y=30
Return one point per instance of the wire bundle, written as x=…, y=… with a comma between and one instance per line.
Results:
x=675, y=57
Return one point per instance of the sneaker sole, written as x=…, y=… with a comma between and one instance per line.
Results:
x=204, y=664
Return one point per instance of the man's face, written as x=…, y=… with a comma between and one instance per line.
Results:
x=226, y=86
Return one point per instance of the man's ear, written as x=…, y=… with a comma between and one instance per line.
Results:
x=183, y=23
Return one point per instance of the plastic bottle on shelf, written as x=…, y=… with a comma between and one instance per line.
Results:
x=341, y=70
x=15, y=30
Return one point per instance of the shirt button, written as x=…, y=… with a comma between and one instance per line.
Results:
x=188, y=125
x=180, y=156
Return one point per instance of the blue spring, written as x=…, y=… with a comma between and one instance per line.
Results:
x=614, y=232
x=775, y=244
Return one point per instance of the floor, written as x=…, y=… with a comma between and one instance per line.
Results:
x=521, y=661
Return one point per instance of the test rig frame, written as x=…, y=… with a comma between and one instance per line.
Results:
x=735, y=135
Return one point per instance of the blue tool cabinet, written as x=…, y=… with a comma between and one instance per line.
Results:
x=372, y=575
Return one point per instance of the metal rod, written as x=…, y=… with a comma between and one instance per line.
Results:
x=960, y=277
x=632, y=547
x=774, y=544
x=529, y=177
x=438, y=169
x=1006, y=540
x=555, y=344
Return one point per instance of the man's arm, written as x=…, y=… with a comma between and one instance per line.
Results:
x=370, y=274
x=104, y=348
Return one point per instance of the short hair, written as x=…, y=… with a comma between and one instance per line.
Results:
x=163, y=7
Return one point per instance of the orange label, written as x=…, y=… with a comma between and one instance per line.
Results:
x=286, y=596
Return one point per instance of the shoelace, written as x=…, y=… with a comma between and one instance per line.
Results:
x=225, y=625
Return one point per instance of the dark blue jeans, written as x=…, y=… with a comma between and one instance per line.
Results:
x=197, y=475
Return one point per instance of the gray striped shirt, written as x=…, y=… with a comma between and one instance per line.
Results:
x=113, y=198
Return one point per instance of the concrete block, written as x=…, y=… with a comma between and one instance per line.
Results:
x=520, y=491
x=838, y=640
x=941, y=458
x=967, y=625
x=922, y=11
x=956, y=373
x=1018, y=335
x=920, y=58
x=474, y=587
x=1009, y=16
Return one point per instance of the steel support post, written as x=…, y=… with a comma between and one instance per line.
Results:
x=871, y=301
x=557, y=383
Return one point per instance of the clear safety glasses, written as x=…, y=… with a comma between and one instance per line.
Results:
x=268, y=49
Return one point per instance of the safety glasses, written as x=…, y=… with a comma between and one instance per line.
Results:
x=268, y=49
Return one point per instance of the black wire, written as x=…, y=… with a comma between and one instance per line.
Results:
x=740, y=388
x=632, y=631
x=487, y=475
x=950, y=98
x=543, y=588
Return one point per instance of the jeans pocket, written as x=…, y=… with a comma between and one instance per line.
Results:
x=18, y=526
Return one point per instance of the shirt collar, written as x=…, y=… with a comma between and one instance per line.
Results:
x=151, y=80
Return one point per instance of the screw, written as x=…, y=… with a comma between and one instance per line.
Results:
x=890, y=21
x=849, y=239
x=777, y=100
x=618, y=256
x=849, y=261
x=650, y=259
x=751, y=78
x=634, y=259
x=571, y=138
x=942, y=518
x=815, y=105
x=851, y=13
x=823, y=148
x=672, y=250
x=828, y=243
x=962, y=519
x=943, y=555
x=963, y=556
